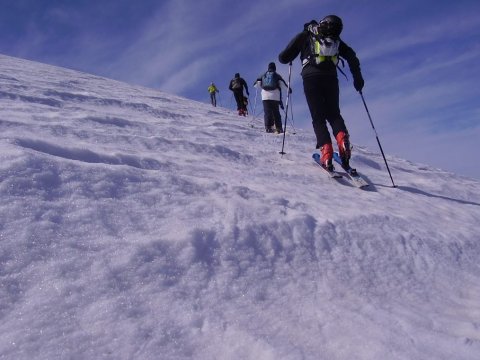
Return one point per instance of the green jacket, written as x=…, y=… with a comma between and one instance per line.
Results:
x=212, y=89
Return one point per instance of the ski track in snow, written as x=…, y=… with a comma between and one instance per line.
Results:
x=135, y=224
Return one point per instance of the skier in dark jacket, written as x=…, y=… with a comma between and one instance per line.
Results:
x=320, y=47
x=236, y=85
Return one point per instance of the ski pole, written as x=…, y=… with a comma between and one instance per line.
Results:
x=292, y=122
x=250, y=104
x=378, y=141
x=286, y=107
x=254, y=109
x=255, y=104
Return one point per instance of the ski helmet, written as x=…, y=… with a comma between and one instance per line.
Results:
x=330, y=25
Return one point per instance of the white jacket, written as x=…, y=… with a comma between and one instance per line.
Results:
x=271, y=94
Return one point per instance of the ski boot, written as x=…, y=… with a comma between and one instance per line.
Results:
x=344, y=149
x=327, y=155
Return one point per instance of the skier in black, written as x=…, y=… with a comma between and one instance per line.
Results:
x=320, y=47
x=236, y=85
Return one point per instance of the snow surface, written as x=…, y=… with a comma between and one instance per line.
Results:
x=135, y=224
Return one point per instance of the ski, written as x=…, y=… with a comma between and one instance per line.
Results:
x=333, y=174
x=351, y=173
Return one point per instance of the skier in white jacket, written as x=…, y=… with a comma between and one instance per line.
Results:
x=271, y=84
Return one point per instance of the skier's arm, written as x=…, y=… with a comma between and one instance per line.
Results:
x=281, y=80
x=258, y=82
x=293, y=48
x=348, y=54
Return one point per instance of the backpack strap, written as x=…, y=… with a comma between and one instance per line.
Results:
x=343, y=65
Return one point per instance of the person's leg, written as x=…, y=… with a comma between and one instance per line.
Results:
x=277, y=117
x=314, y=94
x=268, y=115
x=337, y=122
x=332, y=107
x=239, y=100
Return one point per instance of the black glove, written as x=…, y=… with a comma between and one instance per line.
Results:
x=290, y=90
x=281, y=105
x=358, y=82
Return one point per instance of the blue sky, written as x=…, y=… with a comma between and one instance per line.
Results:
x=419, y=58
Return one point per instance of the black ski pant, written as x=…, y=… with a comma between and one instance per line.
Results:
x=322, y=94
x=238, y=94
x=271, y=114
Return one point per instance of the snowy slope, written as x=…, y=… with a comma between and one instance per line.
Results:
x=135, y=224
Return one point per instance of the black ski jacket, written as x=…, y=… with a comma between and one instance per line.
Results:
x=243, y=84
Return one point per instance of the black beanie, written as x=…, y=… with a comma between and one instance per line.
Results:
x=272, y=66
x=237, y=75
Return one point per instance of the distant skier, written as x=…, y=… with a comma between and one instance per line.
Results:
x=237, y=84
x=320, y=47
x=270, y=82
x=212, y=90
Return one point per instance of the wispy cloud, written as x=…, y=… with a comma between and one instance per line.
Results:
x=202, y=39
